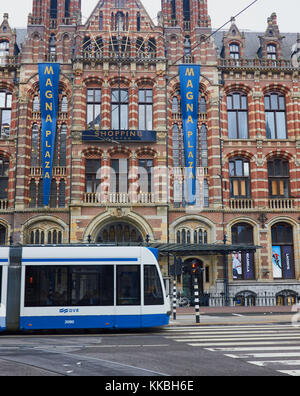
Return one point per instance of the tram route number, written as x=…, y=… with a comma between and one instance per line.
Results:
x=156, y=385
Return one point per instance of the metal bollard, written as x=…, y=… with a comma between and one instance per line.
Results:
x=196, y=294
x=174, y=299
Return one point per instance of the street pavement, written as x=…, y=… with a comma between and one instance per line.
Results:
x=235, y=315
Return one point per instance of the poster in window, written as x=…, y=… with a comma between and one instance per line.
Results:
x=248, y=265
x=237, y=265
x=276, y=262
x=288, y=262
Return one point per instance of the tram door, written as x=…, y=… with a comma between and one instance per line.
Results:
x=128, y=296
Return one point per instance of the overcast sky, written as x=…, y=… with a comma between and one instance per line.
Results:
x=255, y=18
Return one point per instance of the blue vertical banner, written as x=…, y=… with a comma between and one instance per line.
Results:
x=189, y=85
x=49, y=82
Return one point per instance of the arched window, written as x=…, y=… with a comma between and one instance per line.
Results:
x=140, y=47
x=186, y=10
x=120, y=22
x=205, y=194
x=203, y=105
x=32, y=194
x=101, y=20
x=173, y=10
x=151, y=48
x=272, y=51
x=3, y=238
x=119, y=232
x=40, y=236
x=237, y=114
x=4, y=51
x=5, y=113
x=63, y=145
x=87, y=47
x=239, y=177
x=35, y=132
x=138, y=22
x=242, y=262
x=62, y=194
x=53, y=9
x=40, y=194
x=92, y=175
x=67, y=8
x=64, y=104
x=275, y=112
x=4, y=171
x=204, y=146
x=99, y=47
x=52, y=48
x=283, y=251
x=234, y=50
x=36, y=104
x=53, y=194
x=175, y=105
x=176, y=146
x=197, y=236
x=279, y=178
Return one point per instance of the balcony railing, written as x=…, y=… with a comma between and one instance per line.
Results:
x=241, y=204
x=178, y=116
x=3, y=204
x=57, y=171
x=118, y=198
x=281, y=203
x=256, y=63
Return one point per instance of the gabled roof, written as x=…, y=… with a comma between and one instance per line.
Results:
x=252, y=43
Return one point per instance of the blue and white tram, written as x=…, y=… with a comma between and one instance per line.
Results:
x=80, y=287
x=4, y=254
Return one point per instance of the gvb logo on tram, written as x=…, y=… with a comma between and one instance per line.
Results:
x=81, y=287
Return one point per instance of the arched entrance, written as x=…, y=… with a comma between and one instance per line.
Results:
x=119, y=232
x=2, y=235
x=189, y=281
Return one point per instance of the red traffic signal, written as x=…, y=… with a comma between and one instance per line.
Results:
x=195, y=269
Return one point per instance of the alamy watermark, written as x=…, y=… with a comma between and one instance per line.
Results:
x=156, y=185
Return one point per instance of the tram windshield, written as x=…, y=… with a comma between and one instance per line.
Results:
x=152, y=286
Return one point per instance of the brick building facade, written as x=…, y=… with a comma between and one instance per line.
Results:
x=119, y=79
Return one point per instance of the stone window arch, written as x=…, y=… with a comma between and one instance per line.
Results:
x=46, y=233
x=191, y=233
x=119, y=232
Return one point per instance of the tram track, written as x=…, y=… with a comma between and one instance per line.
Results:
x=74, y=359
x=23, y=369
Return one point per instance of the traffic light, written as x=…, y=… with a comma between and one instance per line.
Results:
x=178, y=266
x=196, y=268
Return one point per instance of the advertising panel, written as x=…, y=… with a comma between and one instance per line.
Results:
x=189, y=85
x=49, y=82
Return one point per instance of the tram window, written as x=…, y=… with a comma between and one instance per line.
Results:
x=69, y=286
x=153, y=294
x=128, y=285
x=93, y=286
x=46, y=286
